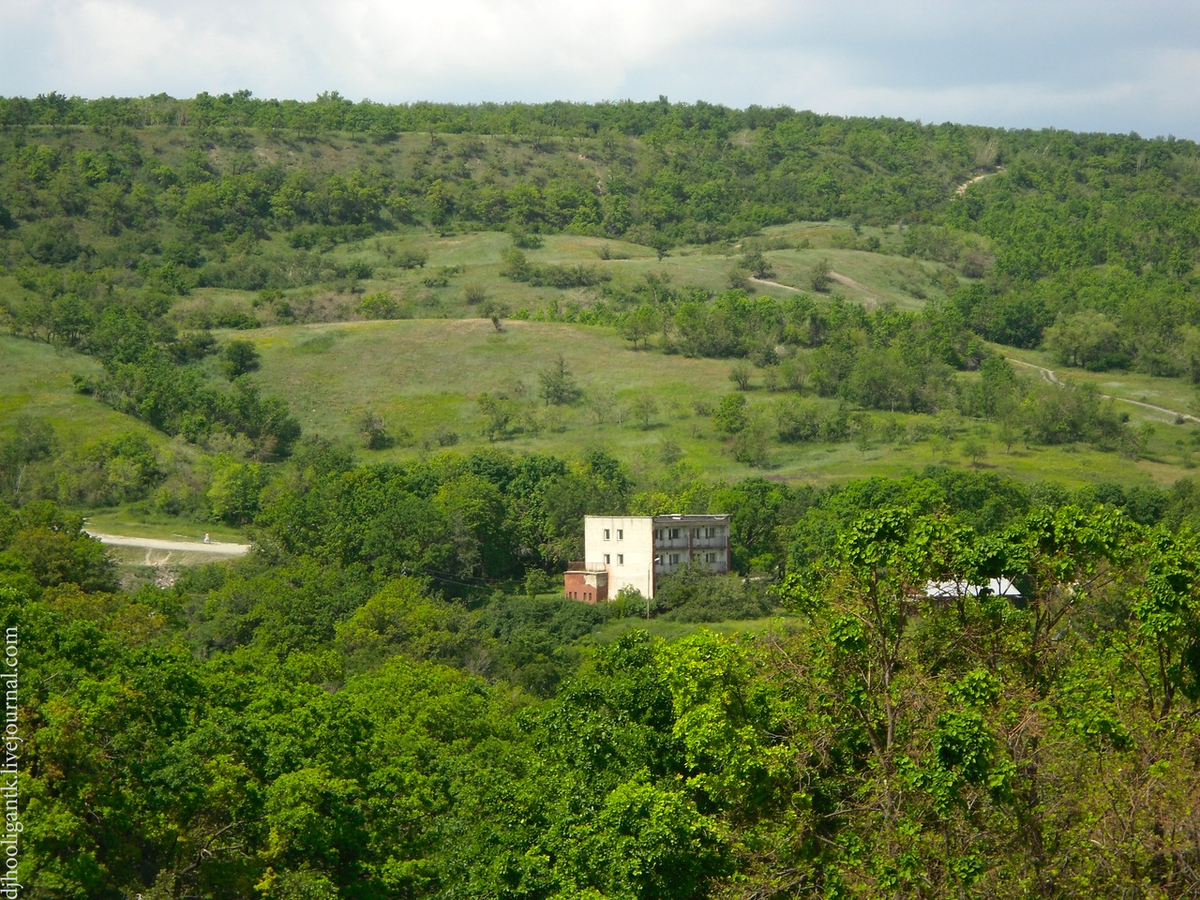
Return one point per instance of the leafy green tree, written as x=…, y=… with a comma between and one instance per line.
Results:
x=751, y=444
x=373, y=431
x=975, y=450
x=558, y=385
x=639, y=324
x=33, y=440
x=819, y=276
x=731, y=416
x=1088, y=339
x=498, y=413
x=404, y=619
x=495, y=311
x=739, y=374
x=235, y=490
x=756, y=264
x=644, y=408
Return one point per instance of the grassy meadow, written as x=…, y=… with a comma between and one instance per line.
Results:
x=423, y=372
x=35, y=381
x=423, y=378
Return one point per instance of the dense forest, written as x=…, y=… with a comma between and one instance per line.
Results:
x=1086, y=241
x=386, y=698
x=321, y=724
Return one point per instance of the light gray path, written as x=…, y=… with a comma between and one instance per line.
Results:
x=1054, y=379
x=216, y=548
x=962, y=188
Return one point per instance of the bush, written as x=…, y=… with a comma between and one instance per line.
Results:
x=538, y=582
x=628, y=602
x=239, y=357
x=380, y=305
x=692, y=594
x=526, y=240
x=373, y=432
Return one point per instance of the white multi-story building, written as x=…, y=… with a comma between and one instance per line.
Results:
x=636, y=550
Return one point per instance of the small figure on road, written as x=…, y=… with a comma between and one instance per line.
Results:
x=207, y=539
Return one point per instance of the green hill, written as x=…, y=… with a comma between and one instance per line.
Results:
x=411, y=273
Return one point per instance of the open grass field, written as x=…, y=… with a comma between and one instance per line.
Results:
x=456, y=261
x=424, y=379
x=424, y=373
x=1171, y=393
x=35, y=381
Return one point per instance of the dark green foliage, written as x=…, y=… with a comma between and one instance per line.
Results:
x=142, y=381
x=1071, y=224
x=324, y=741
x=692, y=594
x=730, y=416
x=104, y=473
x=300, y=724
x=533, y=637
x=558, y=384
x=50, y=545
x=238, y=358
x=33, y=441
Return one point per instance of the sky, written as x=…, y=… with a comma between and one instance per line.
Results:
x=1081, y=65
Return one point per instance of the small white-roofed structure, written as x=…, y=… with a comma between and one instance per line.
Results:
x=952, y=590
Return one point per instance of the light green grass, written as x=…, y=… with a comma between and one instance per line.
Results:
x=35, y=381
x=135, y=520
x=426, y=375
x=422, y=376
x=670, y=631
x=1171, y=393
x=475, y=258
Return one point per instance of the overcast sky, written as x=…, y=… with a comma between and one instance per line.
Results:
x=1084, y=65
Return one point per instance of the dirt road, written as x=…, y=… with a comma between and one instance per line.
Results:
x=1054, y=379
x=849, y=282
x=216, y=548
x=962, y=188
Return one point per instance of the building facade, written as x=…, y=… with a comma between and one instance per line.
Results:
x=637, y=550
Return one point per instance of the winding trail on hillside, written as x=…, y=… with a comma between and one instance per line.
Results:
x=215, y=548
x=786, y=287
x=846, y=280
x=1049, y=376
x=1045, y=373
x=962, y=188
x=858, y=286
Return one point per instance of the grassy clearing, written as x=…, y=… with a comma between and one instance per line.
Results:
x=670, y=631
x=135, y=520
x=1171, y=393
x=455, y=261
x=35, y=380
x=424, y=373
x=425, y=378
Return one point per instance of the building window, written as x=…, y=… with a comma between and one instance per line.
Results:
x=606, y=534
x=620, y=559
x=674, y=534
x=658, y=534
x=710, y=557
x=606, y=559
x=620, y=534
x=674, y=559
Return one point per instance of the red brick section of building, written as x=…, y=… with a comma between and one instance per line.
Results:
x=588, y=585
